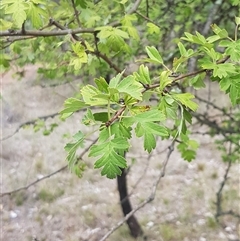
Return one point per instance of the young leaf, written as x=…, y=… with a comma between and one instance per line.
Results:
x=72, y=105
x=154, y=54
x=94, y=97
x=185, y=99
x=142, y=75
x=151, y=115
x=71, y=148
x=131, y=87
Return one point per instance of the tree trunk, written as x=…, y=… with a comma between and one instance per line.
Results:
x=132, y=222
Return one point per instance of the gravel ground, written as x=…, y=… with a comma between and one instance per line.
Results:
x=64, y=207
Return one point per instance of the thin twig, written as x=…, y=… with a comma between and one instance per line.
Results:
x=148, y=200
x=146, y=18
x=49, y=175
x=29, y=123
x=76, y=13
x=215, y=106
x=219, y=211
x=39, y=33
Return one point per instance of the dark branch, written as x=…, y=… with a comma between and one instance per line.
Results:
x=148, y=200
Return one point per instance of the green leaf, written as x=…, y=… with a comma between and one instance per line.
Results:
x=187, y=148
x=149, y=142
x=120, y=130
x=185, y=99
x=232, y=49
x=213, y=38
x=182, y=49
x=101, y=116
x=151, y=115
x=223, y=70
x=102, y=84
x=94, y=97
x=72, y=105
x=152, y=28
x=80, y=51
x=132, y=31
x=17, y=9
x=197, y=81
x=71, y=148
x=231, y=85
x=35, y=13
x=131, y=87
x=154, y=55
x=164, y=80
x=222, y=33
x=81, y=3
x=189, y=155
x=115, y=80
x=88, y=118
x=237, y=20
x=155, y=129
x=142, y=75
x=110, y=160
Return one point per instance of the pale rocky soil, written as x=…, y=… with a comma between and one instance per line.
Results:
x=67, y=208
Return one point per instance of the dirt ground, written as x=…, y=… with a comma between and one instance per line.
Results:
x=64, y=207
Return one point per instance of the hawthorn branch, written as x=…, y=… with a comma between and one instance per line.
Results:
x=150, y=197
x=182, y=76
x=219, y=130
x=146, y=18
x=140, y=178
x=109, y=62
x=49, y=175
x=115, y=117
x=34, y=182
x=76, y=13
x=29, y=123
x=215, y=107
x=218, y=203
x=63, y=31
x=39, y=33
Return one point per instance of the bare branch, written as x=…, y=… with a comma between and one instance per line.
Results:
x=146, y=18
x=39, y=33
x=109, y=62
x=33, y=183
x=49, y=175
x=29, y=123
x=215, y=106
x=76, y=13
x=219, y=211
x=148, y=200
